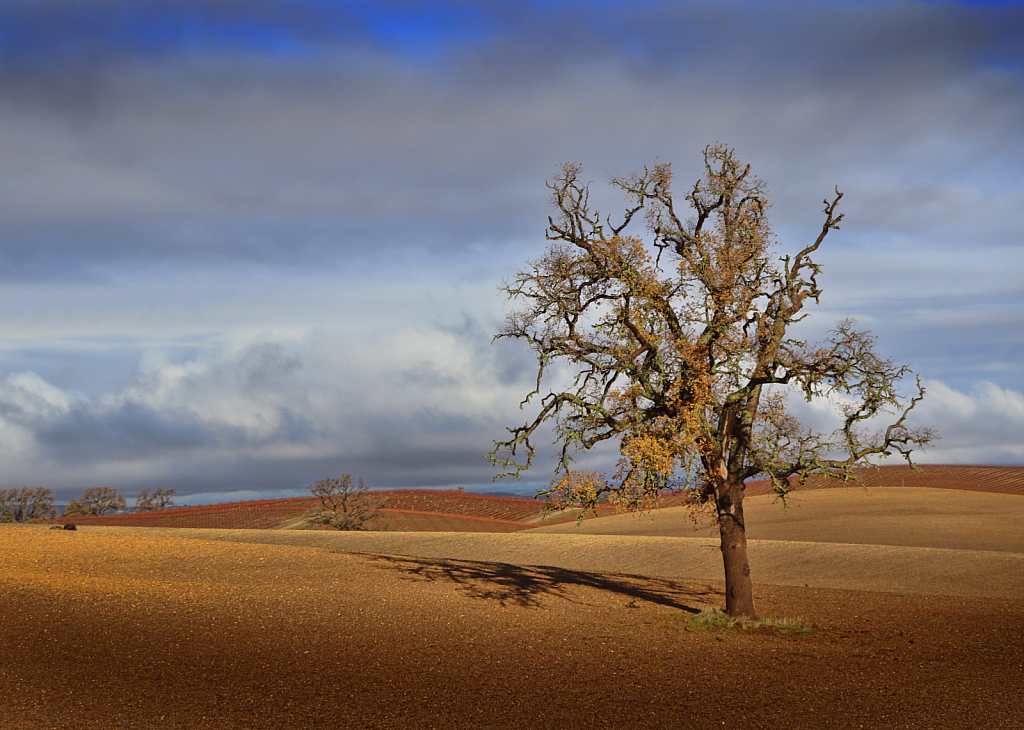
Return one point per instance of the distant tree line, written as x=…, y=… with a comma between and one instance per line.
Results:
x=36, y=505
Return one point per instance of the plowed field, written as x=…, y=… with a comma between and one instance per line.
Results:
x=110, y=628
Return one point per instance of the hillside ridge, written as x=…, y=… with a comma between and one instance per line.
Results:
x=427, y=510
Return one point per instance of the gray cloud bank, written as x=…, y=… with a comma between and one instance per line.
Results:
x=257, y=247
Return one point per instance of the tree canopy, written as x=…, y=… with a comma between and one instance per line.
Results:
x=681, y=347
x=155, y=500
x=95, y=501
x=27, y=504
x=344, y=504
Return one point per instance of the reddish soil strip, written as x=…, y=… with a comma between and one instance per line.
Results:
x=269, y=514
x=998, y=479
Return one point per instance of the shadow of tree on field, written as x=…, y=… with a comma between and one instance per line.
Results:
x=523, y=585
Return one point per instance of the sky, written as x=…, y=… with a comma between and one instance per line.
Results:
x=247, y=245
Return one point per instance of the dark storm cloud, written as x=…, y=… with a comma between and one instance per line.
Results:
x=135, y=431
x=132, y=431
x=263, y=132
x=43, y=32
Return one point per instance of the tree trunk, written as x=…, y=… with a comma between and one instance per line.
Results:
x=739, y=590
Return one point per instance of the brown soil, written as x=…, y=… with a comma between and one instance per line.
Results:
x=911, y=517
x=116, y=628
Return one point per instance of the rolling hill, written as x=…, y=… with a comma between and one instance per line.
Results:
x=424, y=510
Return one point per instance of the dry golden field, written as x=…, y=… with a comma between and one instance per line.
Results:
x=915, y=605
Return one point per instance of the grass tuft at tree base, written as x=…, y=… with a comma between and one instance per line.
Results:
x=717, y=620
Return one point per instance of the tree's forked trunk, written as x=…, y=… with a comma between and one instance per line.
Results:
x=739, y=590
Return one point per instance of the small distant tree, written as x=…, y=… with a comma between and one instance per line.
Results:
x=95, y=501
x=158, y=499
x=344, y=504
x=27, y=505
x=682, y=350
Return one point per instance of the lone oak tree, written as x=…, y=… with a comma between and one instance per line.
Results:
x=686, y=355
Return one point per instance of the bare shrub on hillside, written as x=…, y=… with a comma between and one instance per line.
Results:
x=95, y=501
x=27, y=505
x=158, y=499
x=344, y=504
